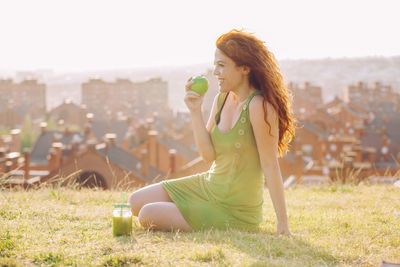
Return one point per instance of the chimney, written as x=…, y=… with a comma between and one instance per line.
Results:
x=361, y=132
x=111, y=138
x=372, y=155
x=384, y=132
x=58, y=154
x=2, y=152
x=172, y=160
x=27, y=157
x=129, y=120
x=13, y=158
x=66, y=131
x=89, y=117
x=385, y=151
x=74, y=150
x=145, y=163
x=375, y=85
x=358, y=150
x=8, y=166
x=82, y=114
x=107, y=143
x=141, y=134
x=91, y=145
x=150, y=123
x=16, y=140
x=153, y=148
x=43, y=127
x=51, y=159
x=88, y=128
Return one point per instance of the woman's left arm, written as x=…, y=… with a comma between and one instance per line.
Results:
x=267, y=145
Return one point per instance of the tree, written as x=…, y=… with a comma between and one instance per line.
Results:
x=27, y=135
x=52, y=124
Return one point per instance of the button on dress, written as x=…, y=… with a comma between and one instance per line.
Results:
x=230, y=193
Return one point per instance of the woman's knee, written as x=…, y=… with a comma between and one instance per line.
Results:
x=147, y=215
x=163, y=216
x=135, y=203
x=145, y=195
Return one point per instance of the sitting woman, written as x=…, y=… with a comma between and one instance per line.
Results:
x=250, y=125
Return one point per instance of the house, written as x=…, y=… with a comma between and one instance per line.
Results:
x=106, y=165
x=143, y=97
x=70, y=113
x=325, y=121
x=101, y=128
x=348, y=115
x=311, y=140
x=10, y=149
x=306, y=99
x=69, y=160
x=161, y=148
x=292, y=164
x=333, y=103
x=67, y=142
x=13, y=117
x=383, y=134
x=11, y=142
x=28, y=94
x=365, y=95
x=8, y=161
x=11, y=163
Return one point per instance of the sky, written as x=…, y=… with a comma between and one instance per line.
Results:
x=80, y=35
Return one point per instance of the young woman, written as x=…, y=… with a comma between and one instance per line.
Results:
x=250, y=125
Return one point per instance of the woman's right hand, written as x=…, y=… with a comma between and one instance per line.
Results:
x=192, y=99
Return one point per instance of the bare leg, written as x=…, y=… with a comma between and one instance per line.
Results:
x=164, y=216
x=149, y=194
x=156, y=210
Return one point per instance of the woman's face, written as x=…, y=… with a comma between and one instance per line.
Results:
x=230, y=76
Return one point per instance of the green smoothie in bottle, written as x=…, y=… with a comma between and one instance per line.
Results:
x=122, y=219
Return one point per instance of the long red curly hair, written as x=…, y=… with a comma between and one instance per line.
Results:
x=265, y=75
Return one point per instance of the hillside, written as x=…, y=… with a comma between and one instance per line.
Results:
x=331, y=226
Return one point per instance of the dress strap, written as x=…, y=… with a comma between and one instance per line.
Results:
x=250, y=98
x=218, y=115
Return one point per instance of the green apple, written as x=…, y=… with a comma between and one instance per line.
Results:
x=200, y=85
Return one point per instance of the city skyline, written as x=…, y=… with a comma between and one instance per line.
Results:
x=99, y=35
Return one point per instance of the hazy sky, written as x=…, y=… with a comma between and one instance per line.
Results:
x=74, y=35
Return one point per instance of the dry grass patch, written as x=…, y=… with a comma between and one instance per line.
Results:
x=332, y=225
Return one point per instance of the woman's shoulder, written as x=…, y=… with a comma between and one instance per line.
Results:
x=257, y=103
x=257, y=109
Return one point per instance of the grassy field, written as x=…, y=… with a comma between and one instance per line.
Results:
x=335, y=225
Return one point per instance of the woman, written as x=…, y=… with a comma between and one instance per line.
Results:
x=250, y=125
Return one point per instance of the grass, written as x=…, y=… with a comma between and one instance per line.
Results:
x=337, y=225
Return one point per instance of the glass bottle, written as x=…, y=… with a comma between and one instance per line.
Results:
x=122, y=220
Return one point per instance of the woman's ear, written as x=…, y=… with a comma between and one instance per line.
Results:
x=245, y=69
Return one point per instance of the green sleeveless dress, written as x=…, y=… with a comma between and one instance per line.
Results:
x=230, y=194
